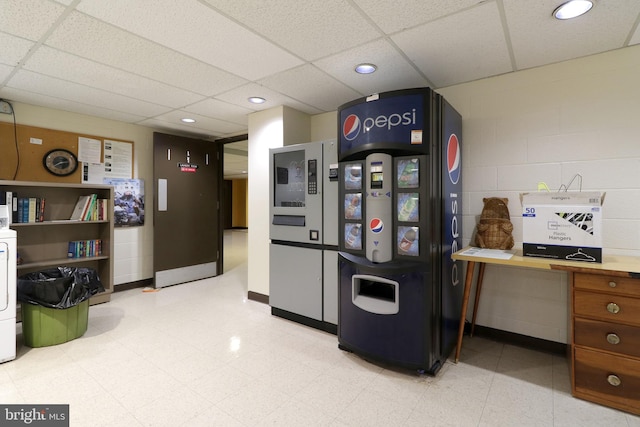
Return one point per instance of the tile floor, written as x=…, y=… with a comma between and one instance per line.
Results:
x=201, y=354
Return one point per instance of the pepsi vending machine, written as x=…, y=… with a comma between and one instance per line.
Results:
x=400, y=215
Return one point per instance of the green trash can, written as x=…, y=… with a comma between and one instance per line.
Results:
x=44, y=326
x=55, y=304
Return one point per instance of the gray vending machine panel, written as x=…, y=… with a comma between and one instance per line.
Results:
x=296, y=193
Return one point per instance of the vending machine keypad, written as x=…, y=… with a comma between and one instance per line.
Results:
x=312, y=186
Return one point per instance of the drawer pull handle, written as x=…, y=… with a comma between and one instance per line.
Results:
x=613, y=308
x=614, y=380
x=613, y=339
x=612, y=284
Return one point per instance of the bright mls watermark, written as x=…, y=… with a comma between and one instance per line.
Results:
x=34, y=415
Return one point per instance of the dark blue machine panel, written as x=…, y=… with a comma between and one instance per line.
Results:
x=403, y=338
x=452, y=288
x=396, y=120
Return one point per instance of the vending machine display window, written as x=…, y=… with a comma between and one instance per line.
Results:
x=408, y=173
x=353, y=236
x=353, y=176
x=289, y=188
x=408, y=207
x=409, y=241
x=353, y=206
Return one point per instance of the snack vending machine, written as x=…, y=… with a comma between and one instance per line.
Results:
x=400, y=213
x=303, y=232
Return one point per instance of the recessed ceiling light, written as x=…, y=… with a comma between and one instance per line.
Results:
x=187, y=120
x=572, y=9
x=365, y=68
x=257, y=100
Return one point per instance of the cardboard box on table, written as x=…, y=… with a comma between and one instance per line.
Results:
x=563, y=225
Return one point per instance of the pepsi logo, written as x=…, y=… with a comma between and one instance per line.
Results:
x=351, y=127
x=376, y=225
x=453, y=158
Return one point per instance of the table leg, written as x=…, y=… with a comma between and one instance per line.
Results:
x=465, y=302
x=477, y=302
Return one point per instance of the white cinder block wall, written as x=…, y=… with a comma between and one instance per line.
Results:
x=549, y=124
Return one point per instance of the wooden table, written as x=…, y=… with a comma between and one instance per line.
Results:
x=610, y=263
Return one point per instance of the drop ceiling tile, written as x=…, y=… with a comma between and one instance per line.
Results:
x=394, y=71
x=198, y=31
x=29, y=19
x=179, y=129
x=220, y=110
x=53, y=87
x=319, y=28
x=46, y=101
x=13, y=49
x=106, y=44
x=540, y=39
x=202, y=124
x=311, y=86
x=458, y=48
x=5, y=71
x=393, y=16
x=274, y=98
x=68, y=67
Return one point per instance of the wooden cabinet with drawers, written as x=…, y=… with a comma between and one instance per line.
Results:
x=605, y=339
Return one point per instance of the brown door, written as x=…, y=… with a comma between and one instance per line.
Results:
x=187, y=237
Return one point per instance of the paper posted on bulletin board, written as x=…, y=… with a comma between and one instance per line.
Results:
x=117, y=160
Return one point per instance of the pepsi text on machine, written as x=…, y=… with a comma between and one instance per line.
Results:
x=391, y=120
x=452, y=158
x=352, y=125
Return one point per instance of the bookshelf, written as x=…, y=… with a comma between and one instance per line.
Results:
x=45, y=244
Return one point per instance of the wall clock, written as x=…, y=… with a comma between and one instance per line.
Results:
x=60, y=162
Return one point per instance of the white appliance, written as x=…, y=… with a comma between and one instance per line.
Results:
x=7, y=295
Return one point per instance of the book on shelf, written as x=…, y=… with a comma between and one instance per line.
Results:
x=41, y=210
x=103, y=213
x=14, y=206
x=87, y=216
x=6, y=198
x=28, y=209
x=84, y=248
x=82, y=205
x=97, y=210
x=33, y=209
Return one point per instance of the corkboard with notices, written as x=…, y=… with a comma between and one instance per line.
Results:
x=24, y=149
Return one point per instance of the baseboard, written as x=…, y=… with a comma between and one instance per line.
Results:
x=133, y=285
x=254, y=296
x=518, y=339
x=303, y=320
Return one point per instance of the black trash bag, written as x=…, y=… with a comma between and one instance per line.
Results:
x=59, y=287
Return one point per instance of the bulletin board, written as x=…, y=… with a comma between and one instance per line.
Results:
x=33, y=143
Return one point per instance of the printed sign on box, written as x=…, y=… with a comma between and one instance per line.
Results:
x=565, y=225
